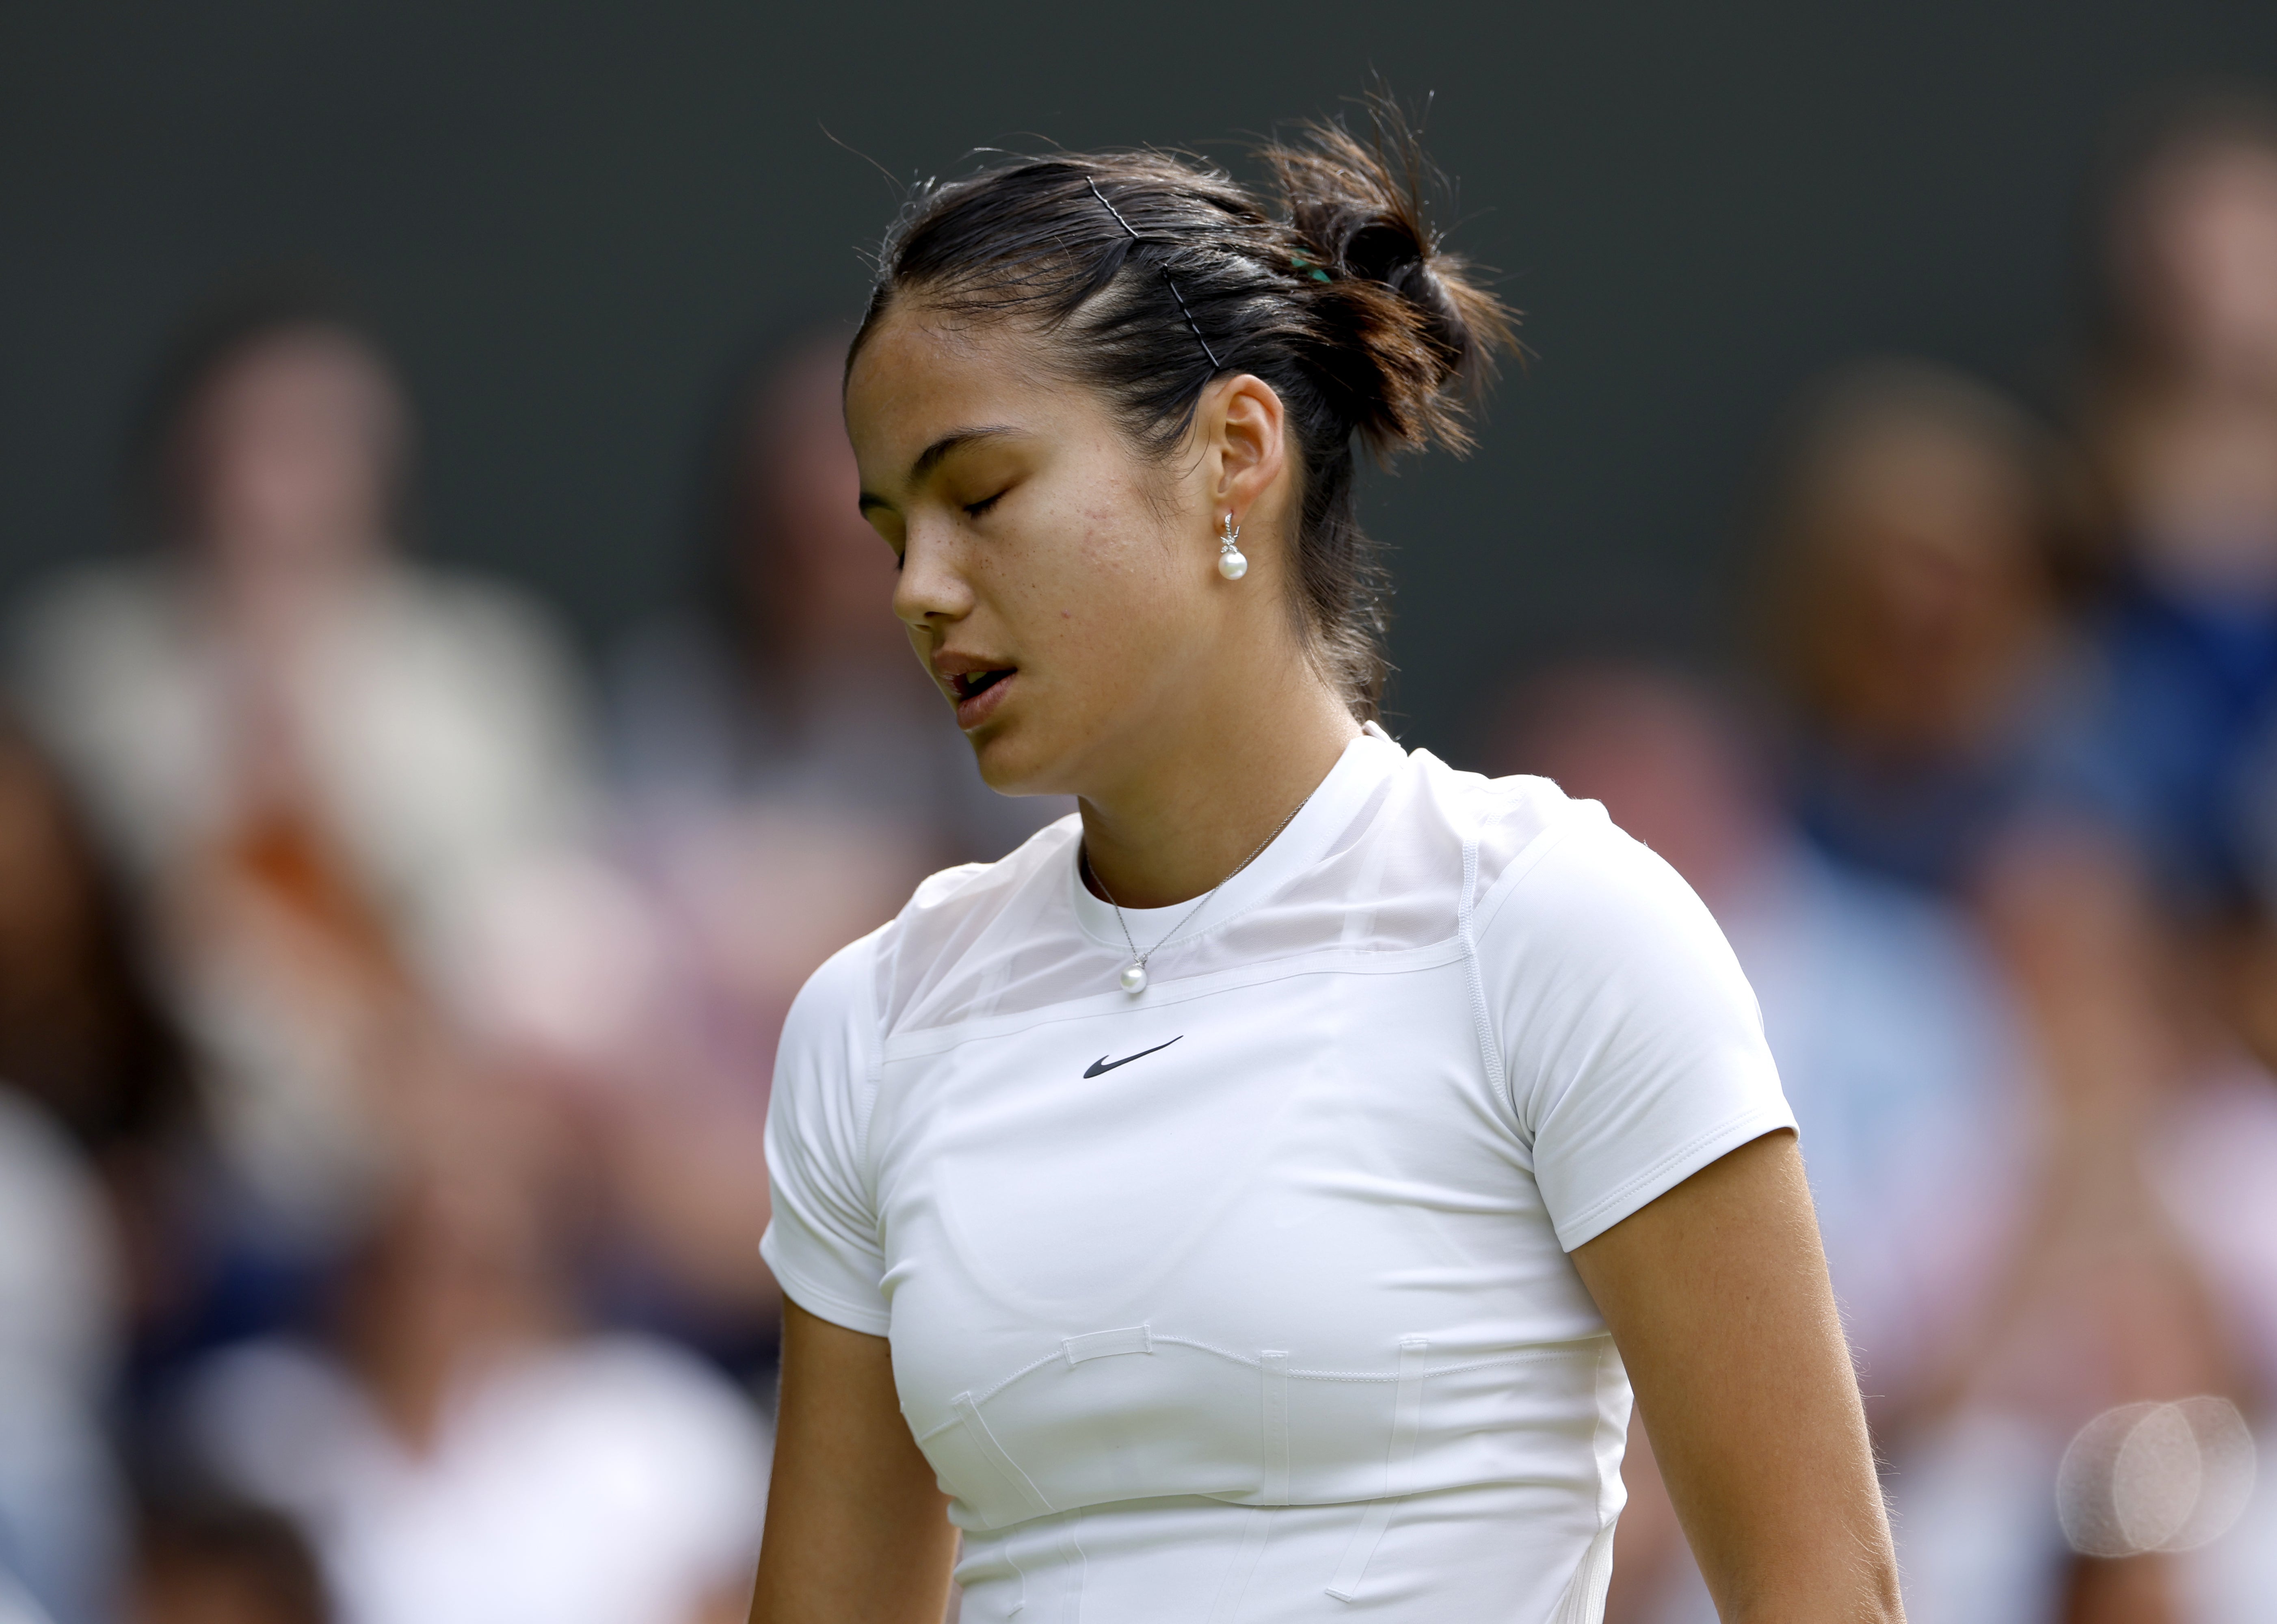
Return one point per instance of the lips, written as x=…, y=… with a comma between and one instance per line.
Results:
x=979, y=693
x=972, y=684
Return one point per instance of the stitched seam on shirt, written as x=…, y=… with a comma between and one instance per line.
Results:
x=1489, y=1041
x=1250, y=1359
x=1527, y=1356
x=986, y=1394
x=873, y=1082
x=1772, y=1120
x=798, y=1291
x=1329, y=961
x=1609, y=1484
x=1536, y=852
x=1406, y=1427
x=1014, y=1476
x=1273, y=1424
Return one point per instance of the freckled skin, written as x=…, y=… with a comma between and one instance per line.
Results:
x=1180, y=708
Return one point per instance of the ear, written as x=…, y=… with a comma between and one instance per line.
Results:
x=1244, y=436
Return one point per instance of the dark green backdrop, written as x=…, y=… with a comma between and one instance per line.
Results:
x=567, y=215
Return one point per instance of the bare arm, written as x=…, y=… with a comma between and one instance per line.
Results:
x=1717, y=1298
x=857, y=1526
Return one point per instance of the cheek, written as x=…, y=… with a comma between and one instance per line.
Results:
x=1109, y=592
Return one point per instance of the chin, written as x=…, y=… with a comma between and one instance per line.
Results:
x=1012, y=763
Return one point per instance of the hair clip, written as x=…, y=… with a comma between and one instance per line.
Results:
x=1304, y=264
x=1167, y=277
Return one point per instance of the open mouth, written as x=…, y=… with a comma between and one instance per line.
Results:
x=972, y=685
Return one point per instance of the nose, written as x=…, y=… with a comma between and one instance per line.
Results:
x=932, y=590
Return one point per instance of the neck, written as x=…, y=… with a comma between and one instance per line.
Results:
x=1181, y=825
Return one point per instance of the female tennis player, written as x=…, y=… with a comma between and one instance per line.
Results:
x=1254, y=1198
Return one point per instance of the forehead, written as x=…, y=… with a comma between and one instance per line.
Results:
x=1923, y=465
x=2220, y=184
x=296, y=371
x=920, y=376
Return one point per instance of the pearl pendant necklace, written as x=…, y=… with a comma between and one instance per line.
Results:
x=1133, y=979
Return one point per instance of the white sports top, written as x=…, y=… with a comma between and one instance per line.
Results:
x=1247, y=1298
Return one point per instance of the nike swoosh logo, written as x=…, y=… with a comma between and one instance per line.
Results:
x=1103, y=1064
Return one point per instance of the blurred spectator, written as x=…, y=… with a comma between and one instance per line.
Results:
x=83, y=1035
x=1895, y=1044
x=1950, y=729
x=2182, y=420
x=81, y=1029
x=461, y=1448
x=94, y=1114
x=2105, y=1300
x=315, y=757
x=786, y=774
x=1920, y=533
x=2023, y=1201
x=223, y=1562
x=59, y=1512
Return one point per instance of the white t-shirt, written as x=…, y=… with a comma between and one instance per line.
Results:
x=612, y=1480
x=1247, y=1298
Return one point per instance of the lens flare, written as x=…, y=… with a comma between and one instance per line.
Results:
x=2155, y=1477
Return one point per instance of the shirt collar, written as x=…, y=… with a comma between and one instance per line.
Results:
x=1370, y=758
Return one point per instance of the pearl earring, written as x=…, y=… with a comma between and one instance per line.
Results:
x=1230, y=564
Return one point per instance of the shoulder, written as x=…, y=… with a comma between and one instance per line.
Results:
x=1630, y=1044
x=1590, y=941
x=468, y=619
x=836, y=1010
x=134, y=588
x=92, y=619
x=1550, y=862
x=975, y=890
x=846, y=1005
x=968, y=911
x=1512, y=824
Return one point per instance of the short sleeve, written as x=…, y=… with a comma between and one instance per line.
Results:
x=823, y=1242
x=1633, y=1049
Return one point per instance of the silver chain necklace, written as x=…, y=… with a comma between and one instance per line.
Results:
x=1134, y=974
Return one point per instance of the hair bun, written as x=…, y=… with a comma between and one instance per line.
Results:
x=1151, y=275
x=1408, y=332
x=1383, y=250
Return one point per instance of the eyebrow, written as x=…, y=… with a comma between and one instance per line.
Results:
x=933, y=455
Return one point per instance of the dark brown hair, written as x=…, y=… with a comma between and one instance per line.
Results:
x=83, y=1029
x=253, y=1556
x=1155, y=274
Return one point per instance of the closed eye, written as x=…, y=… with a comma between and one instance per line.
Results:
x=974, y=510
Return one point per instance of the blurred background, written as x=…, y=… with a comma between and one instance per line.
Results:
x=450, y=708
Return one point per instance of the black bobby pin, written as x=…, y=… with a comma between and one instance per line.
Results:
x=1167, y=277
